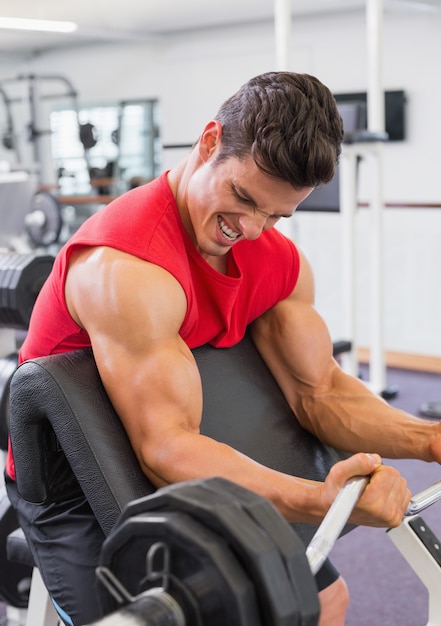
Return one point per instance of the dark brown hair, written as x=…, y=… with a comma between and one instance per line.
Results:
x=290, y=125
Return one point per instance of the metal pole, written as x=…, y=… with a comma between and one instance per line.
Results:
x=374, y=37
x=282, y=31
x=375, y=100
x=41, y=134
x=348, y=205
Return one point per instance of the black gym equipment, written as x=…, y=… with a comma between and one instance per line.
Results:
x=155, y=539
x=201, y=553
x=63, y=394
x=431, y=409
x=223, y=553
x=88, y=135
x=59, y=402
x=21, y=278
x=40, y=88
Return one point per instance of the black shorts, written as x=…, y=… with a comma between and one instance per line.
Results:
x=55, y=531
x=326, y=575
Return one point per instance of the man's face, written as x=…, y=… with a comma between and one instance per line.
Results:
x=232, y=200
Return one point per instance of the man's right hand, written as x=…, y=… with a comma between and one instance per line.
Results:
x=385, y=498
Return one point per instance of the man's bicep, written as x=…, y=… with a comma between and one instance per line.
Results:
x=156, y=390
x=156, y=393
x=133, y=312
x=295, y=344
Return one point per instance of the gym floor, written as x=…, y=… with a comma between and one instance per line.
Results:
x=384, y=589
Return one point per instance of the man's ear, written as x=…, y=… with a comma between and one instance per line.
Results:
x=210, y=139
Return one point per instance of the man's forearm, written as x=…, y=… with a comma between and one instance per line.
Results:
x=188, y=456
x=348, y=416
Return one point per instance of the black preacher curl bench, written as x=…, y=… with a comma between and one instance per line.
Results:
x=59, y=401
x=65, y=431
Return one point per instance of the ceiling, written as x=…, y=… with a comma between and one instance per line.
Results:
x=137, y=20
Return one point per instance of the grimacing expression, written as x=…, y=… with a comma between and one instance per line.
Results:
x=232, y=200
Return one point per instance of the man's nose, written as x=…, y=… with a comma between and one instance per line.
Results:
x=252, y=226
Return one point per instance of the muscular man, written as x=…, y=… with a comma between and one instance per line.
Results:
x=191, y=258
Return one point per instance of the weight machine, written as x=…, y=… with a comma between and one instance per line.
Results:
x=28, y=206
x=30, y=218
x=36, y=131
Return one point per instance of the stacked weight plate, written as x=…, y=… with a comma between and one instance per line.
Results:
x=224, y=553
x=21, y=278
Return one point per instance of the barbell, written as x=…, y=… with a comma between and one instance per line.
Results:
x=209, y=552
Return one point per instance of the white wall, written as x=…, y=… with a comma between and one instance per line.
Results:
x=193, y=73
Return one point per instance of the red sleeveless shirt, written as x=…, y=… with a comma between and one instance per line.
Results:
x=145, y=222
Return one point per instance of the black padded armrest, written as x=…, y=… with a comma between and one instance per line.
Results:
x=243, y=407
x=63, y=394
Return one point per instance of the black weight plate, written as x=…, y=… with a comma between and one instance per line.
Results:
x=32, y=278
x=18, y=265
x=205, y=577
x=255, y=548
x=8, y=366
x=21, y=279
x=288, y=543
x=6, y=271
x=16, y=292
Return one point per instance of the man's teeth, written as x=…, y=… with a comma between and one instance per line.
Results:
x=229, y=234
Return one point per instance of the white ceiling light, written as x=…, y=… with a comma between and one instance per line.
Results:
x=17, y=23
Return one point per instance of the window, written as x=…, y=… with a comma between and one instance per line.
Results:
x=126, y=149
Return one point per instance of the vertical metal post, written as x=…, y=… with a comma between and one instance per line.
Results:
x=42, y=137
x=282, y=36
x=377, y=358
x=348, y=205
x=375, y=100
x=282, y=32
x=374, y=37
